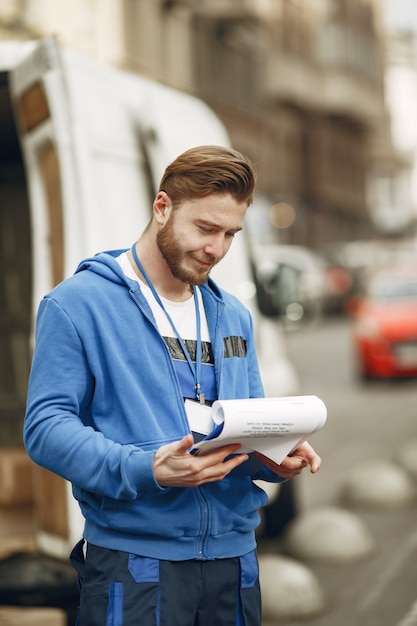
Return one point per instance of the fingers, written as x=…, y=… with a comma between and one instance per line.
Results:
x=294, y=464
x=184, y=444
x=290, y=466
x=315, y=464
x=307, y=452
x=212, y=472
x=213, y=466
x=174, y=466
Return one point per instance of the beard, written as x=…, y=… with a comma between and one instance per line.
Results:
x=175, y=257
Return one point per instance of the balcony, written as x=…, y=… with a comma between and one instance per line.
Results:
x=235, y=9
x=325, y=90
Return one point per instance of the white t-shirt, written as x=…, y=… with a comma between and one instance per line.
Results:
x=183, y=315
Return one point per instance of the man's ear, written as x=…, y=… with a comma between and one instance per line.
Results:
x=162, y=207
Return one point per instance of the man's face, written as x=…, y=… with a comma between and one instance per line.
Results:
x=198, y=234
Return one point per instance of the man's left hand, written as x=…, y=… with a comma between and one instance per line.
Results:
x=292, y=465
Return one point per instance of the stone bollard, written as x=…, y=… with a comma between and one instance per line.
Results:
x=328, y=534
x=379, y=483
x=289, y=589
x=407, y=457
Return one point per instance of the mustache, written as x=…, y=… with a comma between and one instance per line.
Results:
x=210, y=260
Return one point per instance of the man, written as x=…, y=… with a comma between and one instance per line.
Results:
x=129, y=351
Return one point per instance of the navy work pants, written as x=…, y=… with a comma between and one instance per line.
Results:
x=122, y=589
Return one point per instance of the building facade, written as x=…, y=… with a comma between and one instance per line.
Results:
x=299, y=84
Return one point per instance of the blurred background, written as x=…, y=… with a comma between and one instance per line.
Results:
x=319, y=94
x=322, y=96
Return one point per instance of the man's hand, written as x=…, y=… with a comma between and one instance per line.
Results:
x=302, y=457
x=174, y=466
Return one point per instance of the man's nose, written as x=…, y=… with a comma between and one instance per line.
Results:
x=216, y=247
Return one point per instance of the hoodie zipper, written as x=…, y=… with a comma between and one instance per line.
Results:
x=205, y=511
x=199, y=491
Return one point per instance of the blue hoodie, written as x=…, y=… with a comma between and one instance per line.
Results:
x=103, y=396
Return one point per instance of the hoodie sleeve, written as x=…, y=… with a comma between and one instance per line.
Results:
x=60, y=389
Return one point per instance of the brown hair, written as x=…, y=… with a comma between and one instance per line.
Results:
x=204, y=170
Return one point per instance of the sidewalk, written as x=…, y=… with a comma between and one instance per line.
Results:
x=380, y=590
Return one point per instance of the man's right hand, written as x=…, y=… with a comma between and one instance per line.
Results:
x=174, y=466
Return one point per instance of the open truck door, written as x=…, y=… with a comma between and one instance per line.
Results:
x=95, y=142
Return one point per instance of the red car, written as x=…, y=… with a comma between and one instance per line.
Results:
x=385, y=324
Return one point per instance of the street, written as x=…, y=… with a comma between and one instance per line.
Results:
x=366, y=421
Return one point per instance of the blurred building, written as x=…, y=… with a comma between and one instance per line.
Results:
x=299, y=85
x=312, y=74
x=394, y=189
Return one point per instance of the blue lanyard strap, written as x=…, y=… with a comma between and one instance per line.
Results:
x=196, y=369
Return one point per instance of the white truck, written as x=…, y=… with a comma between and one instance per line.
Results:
x=82, y=149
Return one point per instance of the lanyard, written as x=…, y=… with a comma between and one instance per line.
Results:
x=196, y=369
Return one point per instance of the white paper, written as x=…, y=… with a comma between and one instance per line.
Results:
x=271, y=426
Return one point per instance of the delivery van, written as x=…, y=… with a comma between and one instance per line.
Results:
x=82, y=150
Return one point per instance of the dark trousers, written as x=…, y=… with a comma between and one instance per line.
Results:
x=122, y=589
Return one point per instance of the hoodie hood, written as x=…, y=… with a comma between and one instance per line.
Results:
x=104, y=264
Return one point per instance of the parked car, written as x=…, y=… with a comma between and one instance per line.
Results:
x=290, y=283
x=346, y=263
x=385, y=323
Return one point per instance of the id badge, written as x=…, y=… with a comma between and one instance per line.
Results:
x=199, y=417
